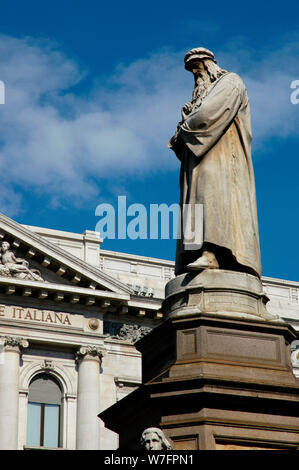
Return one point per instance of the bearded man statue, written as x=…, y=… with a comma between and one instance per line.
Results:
x=213, y=143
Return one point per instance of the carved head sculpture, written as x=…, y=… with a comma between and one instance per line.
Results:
x=202, y=63
x=5, y=246
x=154, y=439
x=196, y=55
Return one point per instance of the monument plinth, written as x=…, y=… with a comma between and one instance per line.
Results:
x=217, y=373
x=216, y=291
x=213, y=382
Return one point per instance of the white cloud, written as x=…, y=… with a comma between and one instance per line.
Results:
x=268, y=76
x=10, y=202
x=57, y=142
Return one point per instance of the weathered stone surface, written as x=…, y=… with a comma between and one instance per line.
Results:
x=213, y=382
x=217, y=373
x=213, y=143
x=125, y=331
x=154, y=439
x=217, y=292
x=12, y=266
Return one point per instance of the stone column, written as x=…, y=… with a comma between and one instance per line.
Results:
x=70, y=424
x=88, y=404
x=9, y=391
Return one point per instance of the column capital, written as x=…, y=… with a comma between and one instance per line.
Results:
x=14, y=343
x=90, y=352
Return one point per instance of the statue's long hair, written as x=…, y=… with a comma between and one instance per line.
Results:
x=214, y=72
x=166, y=445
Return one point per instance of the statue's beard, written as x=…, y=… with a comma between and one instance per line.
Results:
x=202, y=82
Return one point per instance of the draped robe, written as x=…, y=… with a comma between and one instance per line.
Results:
x=214, y=146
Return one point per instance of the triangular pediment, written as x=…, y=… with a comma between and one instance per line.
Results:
x=31, y=262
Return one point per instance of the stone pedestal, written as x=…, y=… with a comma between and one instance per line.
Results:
x=9, y=391
x=217, y=292
x=217, y=372
x=88, y=405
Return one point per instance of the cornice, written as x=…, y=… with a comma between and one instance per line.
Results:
x=61, y=256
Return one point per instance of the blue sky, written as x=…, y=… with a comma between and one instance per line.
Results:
x=93, y=94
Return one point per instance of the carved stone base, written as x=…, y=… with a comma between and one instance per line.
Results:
x=217, y=372
x=217, y=292
x=213, y=382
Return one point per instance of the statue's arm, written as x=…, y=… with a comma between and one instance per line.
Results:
x=13, y=258
x=176, y=143
x=204, y=127
x=22, y=261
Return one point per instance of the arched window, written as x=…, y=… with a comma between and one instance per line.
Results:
x=44, y=412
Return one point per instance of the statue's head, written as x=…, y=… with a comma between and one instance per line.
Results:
x=198, y=55
x=202, y=63
x=154, y=439
x=5, y=246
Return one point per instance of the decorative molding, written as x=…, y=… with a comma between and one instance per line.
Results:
x=125, y=385
x=48, y=364
x=15, y=343
x=50, y=251
x=126, y=332
x=127, y=381
x=93, y=351
x=93, y=324
x=61, y=373
x=11, y=266
x=74, y=293
x=142, y=291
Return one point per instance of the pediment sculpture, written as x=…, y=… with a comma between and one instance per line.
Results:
x=11, y=266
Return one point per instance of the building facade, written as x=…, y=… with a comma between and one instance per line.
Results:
x=70, y=313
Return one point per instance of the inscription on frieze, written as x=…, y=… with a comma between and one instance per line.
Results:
x=35, y=315
x=236, y=302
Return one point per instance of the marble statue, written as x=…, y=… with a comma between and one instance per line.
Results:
x=213, y=143
x=154, y=439
x=16, y=267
